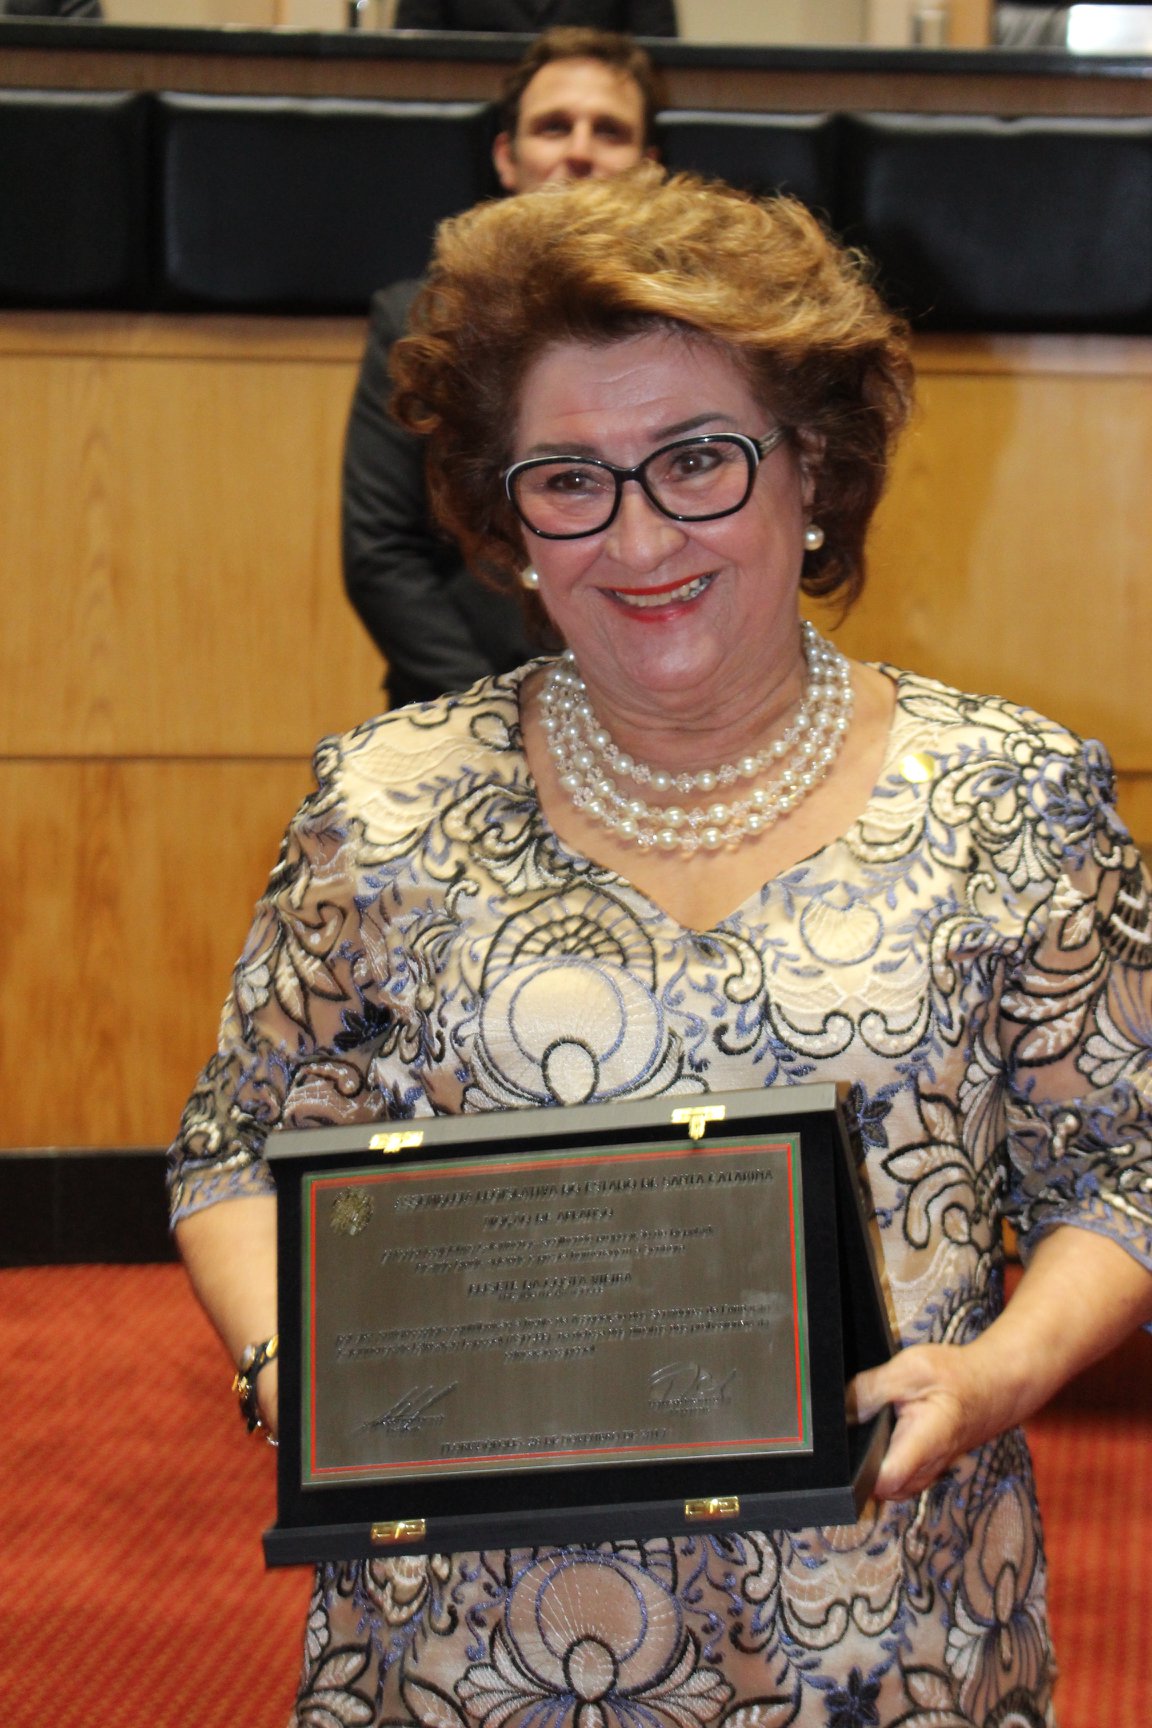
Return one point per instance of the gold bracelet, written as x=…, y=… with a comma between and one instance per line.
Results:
x=253, y=1358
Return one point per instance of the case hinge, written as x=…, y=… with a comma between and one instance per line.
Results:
x=396, y=1142
x=400, y=1530
x=719, y=1506
x=697, y=1116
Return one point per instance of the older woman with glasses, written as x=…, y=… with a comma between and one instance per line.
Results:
x=702, y=850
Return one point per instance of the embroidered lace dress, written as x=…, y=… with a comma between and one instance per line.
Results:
x=972, y=955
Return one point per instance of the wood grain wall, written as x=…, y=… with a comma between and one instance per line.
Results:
x=174, y=639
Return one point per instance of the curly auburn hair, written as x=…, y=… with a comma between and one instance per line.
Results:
x=598, y=261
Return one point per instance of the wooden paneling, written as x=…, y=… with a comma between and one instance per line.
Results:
x=169, y=505
x=1135, y=801
x=130, y=886
x=795, y=23
x=1013, y=552
x=1134, y=797
x=174, y=638
x=970, y=23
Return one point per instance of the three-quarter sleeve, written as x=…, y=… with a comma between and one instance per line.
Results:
x=1075, y=1017
x=297, y=1004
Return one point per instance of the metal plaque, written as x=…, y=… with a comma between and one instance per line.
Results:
x=543, y=1310
x=605, y=1322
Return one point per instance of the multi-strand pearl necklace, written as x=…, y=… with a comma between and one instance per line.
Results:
x=590, y=765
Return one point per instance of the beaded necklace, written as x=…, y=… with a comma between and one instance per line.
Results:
x=590, y=765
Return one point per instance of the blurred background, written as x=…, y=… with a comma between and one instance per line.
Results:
x=1081, y=29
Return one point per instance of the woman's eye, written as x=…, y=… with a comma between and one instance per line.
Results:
x=573, y=481
x=699, y=459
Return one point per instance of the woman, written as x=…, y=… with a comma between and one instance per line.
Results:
x=705, y=852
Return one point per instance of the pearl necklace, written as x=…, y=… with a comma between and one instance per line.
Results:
x=589, y=763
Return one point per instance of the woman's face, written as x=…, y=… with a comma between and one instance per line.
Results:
x=688, y=617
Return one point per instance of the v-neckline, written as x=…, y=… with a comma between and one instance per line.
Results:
x=580, y=863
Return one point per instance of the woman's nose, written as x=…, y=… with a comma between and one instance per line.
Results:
x=641, y=536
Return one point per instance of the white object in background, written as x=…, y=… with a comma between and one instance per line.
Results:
x=1110, y=30
x=930, y=25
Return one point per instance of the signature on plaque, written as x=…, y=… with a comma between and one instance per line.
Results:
x=689, y=1387
x=413, y=1410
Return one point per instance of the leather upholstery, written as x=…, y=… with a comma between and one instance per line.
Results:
x=990, y=224
x=257, y=204
x=762, y=153
x=307, y=205
x=74, y=173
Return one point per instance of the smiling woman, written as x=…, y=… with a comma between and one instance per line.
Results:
x=640, y=336
x=684, y=623
x=699, y=851
x=757, y=284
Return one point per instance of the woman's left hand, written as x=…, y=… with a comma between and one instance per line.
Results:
x=949, y=1398
x=944, y=1404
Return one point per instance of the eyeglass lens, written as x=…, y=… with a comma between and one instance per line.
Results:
x=694, y=479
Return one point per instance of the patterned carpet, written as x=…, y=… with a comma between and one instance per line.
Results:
x=132, y=1587
x=132, y=1584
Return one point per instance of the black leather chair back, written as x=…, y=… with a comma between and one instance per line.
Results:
x=74, y=199
x=989, y=224
x=308, y=205
x=761, y=153
x=258, y=204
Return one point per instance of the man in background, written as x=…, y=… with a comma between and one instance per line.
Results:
x=581, y=103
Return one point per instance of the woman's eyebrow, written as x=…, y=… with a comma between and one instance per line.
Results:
x=569, y=447
x=693, y=424
x=547, y=447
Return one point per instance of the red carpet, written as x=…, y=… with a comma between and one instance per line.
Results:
x=1093, y=1456
x=132, y=1587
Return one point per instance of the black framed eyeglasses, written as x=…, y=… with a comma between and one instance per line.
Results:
x=691, y=480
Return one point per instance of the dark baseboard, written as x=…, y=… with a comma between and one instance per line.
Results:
x=61, y=1206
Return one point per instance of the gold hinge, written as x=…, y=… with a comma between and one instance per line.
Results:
x=720, y=1506
x=696, y=1115
x=401, y=1530
x=396, y=1142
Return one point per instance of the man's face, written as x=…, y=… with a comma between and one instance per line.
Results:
x=579, y=119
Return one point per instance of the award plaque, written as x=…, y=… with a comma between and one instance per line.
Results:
x=572, y=1325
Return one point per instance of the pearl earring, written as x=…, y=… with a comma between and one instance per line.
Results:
x=530, y=579
x=813, y=537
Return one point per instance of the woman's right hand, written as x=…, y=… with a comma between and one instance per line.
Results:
x=230, y=1252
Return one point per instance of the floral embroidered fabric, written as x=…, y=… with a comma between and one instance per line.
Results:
x=973, y=955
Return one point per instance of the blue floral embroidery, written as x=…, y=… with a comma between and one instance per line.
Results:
x=973, y=958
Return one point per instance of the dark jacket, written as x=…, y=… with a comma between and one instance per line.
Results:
x=51, y=9
x=438, y=626
x=638, y=17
